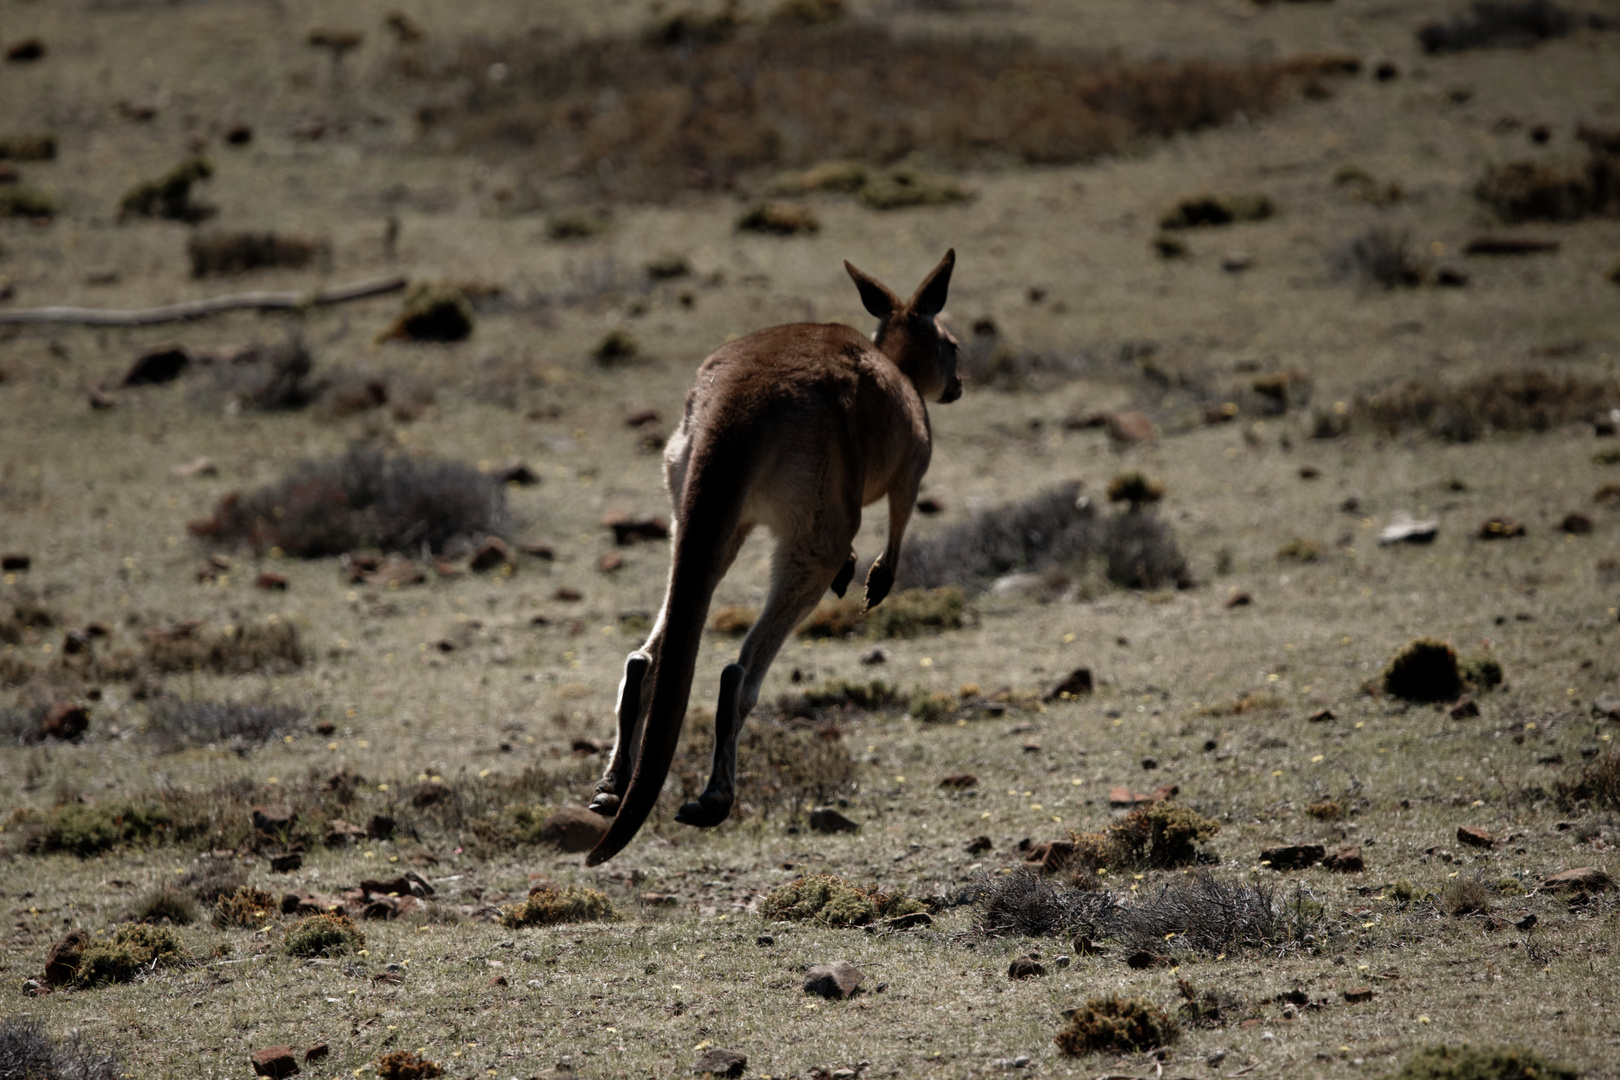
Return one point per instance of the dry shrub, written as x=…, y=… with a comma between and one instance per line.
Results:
x=169, y=196
x=178, y=724
x=221, y=254
x=407, y=1065
x=914, y=612
x=247, y=907
x=1199, y=913
x=269, y=378
x=1380, y=256
x=363, y=499
x=231, y=650
x=1481, y=1063
x=1466, y=896
x=832, y=901
x=1141, y=552
x=214, y=878
x=1595, y=782
x=19, y=201
x=167, y=902
x=1116, y=1025
x=578, y=224
x=1207, y=1008
x=779, y=219
x=779, y=767
x=1424, y=669
x=903, y=187
x=432, y=311
x=547, y=905
x=1498, y=24
x=323, y=935
x=1163, y=835
x=1326, y=810
x=1501, y=401
x=836, y=697
x=734, y=619
x=1532, y=191
x=1024, y=904
x=840, y=177
x=32, y=147
x=618, y=346
x=133, y=949
x=27, y=1052
x=1300, y=549
x=1206, y=209
x=838, y=618
x=1054, y=528
x=631, y=115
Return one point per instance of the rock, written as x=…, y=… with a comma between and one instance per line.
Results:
x=1403, y=528
x=1142, y=960
x=275, y=1061
x=515, y=471
x=1509, y=245
x=15, y=561
x=1293, y=856
x=1359, y=994
x=1084, y=946
x=960, y=782
x=270, y=819
x=836, y=980
x=718, y=1062
x=539, y=549
x=824, y=819
x=574, y=829
x=978, y=845
x=431, y=793
x=1078, y=682
x=1122, y=796
x=1607, y=706
x=35, y=988
x=610, y=562
x=874, y=655
x=410, y=883
x=1473, y=837
x=492, y=553
x=765, y=940
x=270, y=581
x=928, y=506
x=1239, y=599
x=1450, y=276
x=1130, y=427
x=628, y=530
x=568, y=594
x=380, y=827
x=585, y=747
x=238, y=135
x=1345, y=860
x=1024, y=967
x=286, y=864
x=199, y=466
x=64, y=721
x=1501, y=528
x=317, y=1052
x=1586, y=878
x=1235, y=262
x=1576, y=524
x=162, y=364
x=498, y=980
x=1526, y=923
x=1322, y=716
x=1465, y=708
x=641, y=417
x=62, y=962
x=303, y=903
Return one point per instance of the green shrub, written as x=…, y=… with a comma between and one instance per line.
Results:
x=1116, y=1025
x=89, y=829
x=323, y=935
x=915, y=612
x=248, y=907
x=832, y=901
x=1480, y=1063
x=133, y=948
x=548, y=905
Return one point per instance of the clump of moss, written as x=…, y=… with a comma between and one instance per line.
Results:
x=1480, y=1063
x=323, y=935
x=1114, y=1024
x=1135, y=488
x=548, y=905
x=618, y=347
x=915, y=612
x=433, y=312
x=778, y=219
x=902, y=187
x=407, y=1065
x=1425, y=669
x=248, y=907
x=90, y=829
x=169, y=196
x=1163, y=835
x=1209, y=209
x=132, y=949
x=167, y=902
x=1301, y=549
x=832, y=901
x=18, y=201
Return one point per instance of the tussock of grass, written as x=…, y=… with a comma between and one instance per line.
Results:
x=734, y=620
x=1466, y=895
x=363, y=499
x=547, y=905
x=1595, y=782
x=323, y=935
x=779, y=219
x=1024, y=904
x=1207, y=209
x=1200, y=913
x=915, y=612
x=84, y=829
x=270, y=378
x=222, y=254
x=27, y=1052
x=1141, y=553
x=578, y=224
x=1300, y=549
x=1163, y=835
x=167, y=902
x=230, y=650
x=903, y=187
x=1424, y=669
x=1116, y=1025
x=169, y=196
x=1501, y=401
x=836, y=695
x=212, y=878
x=17, y=200
x=1536, y=191
x=31, y=147
x=1380, y=256
x=1498, y=24
x=1207, y=1008
x=1053, y=528
x=832, y=901
x=835, y=619
x=132, y=949
x=178, y=724
x=407, y=1065
x=248, y=907
x=1480, y=1063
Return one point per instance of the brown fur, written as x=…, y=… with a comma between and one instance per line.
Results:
x=795, y=428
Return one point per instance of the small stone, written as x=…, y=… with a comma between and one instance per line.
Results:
x=1588, y=878
x=1345, y=860
x=275, y=1061
x=1358, y=994
x=498, y=980
x=574, y=829
x=539, y=549
x=65, y=722
x=198, y=466
x=960, y=782
x=1474, y=837
x=13, y=561
x=286, y=864
x=515, y=471
x=610, y=562
x=1606, y=707
x=492, y=553
x=1235, y=262
x=35, y=988
x=1150, y=763
x=271, y=581
x=825, y=819
x=1239, y=599
x=269, y=819
x=1465, y=708
x=1077, y=683
x=1527, y=922
x=1130, y=427
x=1023, y=967
x=1403, y=528
x=1084, y=946
x=628, y=530
x=162, y=364
x=431, y=793
x=1293, y=856
x=928, y=506
x=1322, y=716
x=62, y=962
x=641, y=417
x=718, y=1062
x=835, y=981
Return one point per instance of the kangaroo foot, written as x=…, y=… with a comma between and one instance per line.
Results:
x=705, y=812
x=845, y=576
x=878, y=581
x=606, y=804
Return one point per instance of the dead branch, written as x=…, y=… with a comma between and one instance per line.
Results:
x=196, y=309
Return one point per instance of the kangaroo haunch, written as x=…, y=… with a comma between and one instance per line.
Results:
x=795, y=428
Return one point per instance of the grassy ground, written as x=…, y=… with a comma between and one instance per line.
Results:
x=90, y=496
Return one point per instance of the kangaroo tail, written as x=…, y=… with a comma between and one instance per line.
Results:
x=711, y=510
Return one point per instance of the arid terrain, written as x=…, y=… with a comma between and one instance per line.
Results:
x=299, y=599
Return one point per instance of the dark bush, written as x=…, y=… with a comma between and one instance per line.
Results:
x=1200, y=913
x=268, y=378
x=1206, y=209
x=27, y=1052
x=1142, y=553
x=1024, y=904
x=1480, y=1063
x=1116, y=1025
x=40, y=147
x=169, y=196
x=133, y=949
x=1532, y=191
x=433, y=311
x=1424, y=669
x=19, y=201
x=1498, y=24
x=1380, y=256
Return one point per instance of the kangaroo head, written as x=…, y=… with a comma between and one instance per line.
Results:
x=910, y=334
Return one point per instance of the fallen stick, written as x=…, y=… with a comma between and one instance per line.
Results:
x=196, y=309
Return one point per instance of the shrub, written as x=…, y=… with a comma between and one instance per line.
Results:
x=1482, y=673
x=1531, y=191
x=269, y=378
x=27, y=1052
x=19, y=201
x=1379, y=256
x=1024, y=904
x=617, y=347
x=832, y=901
x=1326, y=810
x=133, y=949
x=548, y=905
x=1595, y=781
x=903, y=187
x=1054, y=528
x=85, y=829
x=407, y=1065
x=836, y=618
x=248, y=907
x=169, y=196
x=323, y=935
x=1480, y=1063
x=167, y=902
x=361, y=500
x=229, y=723
x=778, y=219
x=212, y=878
x=1141, y=553
x=1162, y=835
x=1499, y=401
x=1424, y=669
x=1135, y=488
x=1116, y=1025
x=1466, y=896
x=1497, y=24
x=915, y=612
x=1300, y=549
x=1199, y=913
x=837, y=695
x=735, y=620
x=232, y=650
x=1208, y=209
x=578, y=224
x=41, y=147
x=225, y=253
x=843, y=177
x=433, y=311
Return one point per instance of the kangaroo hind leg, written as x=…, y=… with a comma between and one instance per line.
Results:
x=610, y=789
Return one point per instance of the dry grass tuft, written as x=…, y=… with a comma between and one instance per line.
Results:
x=914, y=612
x=222, y=254
x=432, y=311
x=1200, y=913
x=1424, y=669
x=31, y=147
x=323, y=935
x=214, y=878
x=1024, y=904
x=167, y=902
x=1051, y=529
x=19, y=201
x=269, y=378
x=248, y=907
x=1141, y=553
x=1498, y=24
x=1503, y=401
x=178, y=724
x=1116, y=1025
x=1467, y=895
x=779, y=219
x=578, y=224
x=363, y=499
x=27, y=1052
x=1480, y=1063
x=1532, y=191
x=902, y=187
x=1380, y=256
x=734, y=620
x=169, y=196
x=1595, y=782
x=1206, y=209
x=231, y=650
x=832, y=901
x=547, y=905
x=781, y=767
x=1207, y=1008
x=838, y=618
x=407, y=1065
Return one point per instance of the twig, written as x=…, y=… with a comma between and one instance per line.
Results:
x=196, y=309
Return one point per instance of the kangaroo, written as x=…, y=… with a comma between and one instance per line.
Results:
x=795, y=428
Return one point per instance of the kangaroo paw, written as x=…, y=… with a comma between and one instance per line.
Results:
x=606, y=804
x=878, y=581
x=705, y=812
x=840, y=584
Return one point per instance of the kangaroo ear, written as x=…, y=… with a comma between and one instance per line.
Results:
x=930, y=296
x=875, y=295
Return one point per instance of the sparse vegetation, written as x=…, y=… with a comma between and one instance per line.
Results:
x=915, y=612
x=132, y=950
x=1116, y=1025
x=1595, y=782
x=779, y=219
x=433, y=311
x=169, y=196
x=1200, y=913
x=27, y=1052
x=407, y=1065
x=17, y=201
x=323, y=935
x=1480, y=1063
x=1024, y=904
x=167, y=903
x=1538, y=191
x=1498, y=24
x=228, y=650
x=176, y=724
x=1497, y=402
x=225, y=253
x=832, y=901
x=1425, y=669
x=1206, y=209
x=1380, y=256
x=548, y=905
x=247, y=907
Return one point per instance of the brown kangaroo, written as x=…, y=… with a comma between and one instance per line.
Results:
x=795, y=428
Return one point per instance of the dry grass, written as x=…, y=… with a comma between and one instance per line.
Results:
x=1380, y=256
x=1481, y=1063
x=1051, y=529
x=1024, y=904
x=169, y=196
x=222, y=254
x=1537, y=191
x=323, y=935
x=831, y=901
x=1499, y=24
x=1116, y=1025
x=1200, y=913
x=1504, y=401
x=177, y=724
x=27, y=1052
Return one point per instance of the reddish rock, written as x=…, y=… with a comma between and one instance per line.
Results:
x=270, y=819
x=628, y=530
x=961, y=782
x=162, y=364
x=25, y=51
x=1358, y=995
x=1587, y=878
x=719, y=1062
x=1474, y=837
x=432, y=792
x=303, y=902
x=64, y=721
x=1345, y=860
x=573, y=829
x=271, y=581
x=1293, y=856
x=62, y=962
x=498, y=980
x=640, y=417
x=492, y=553
x=568, y=594
x=275, y=1061
x=610, y=562
x=1239, y=599
x=1130, y=427
x=1078, y=682
x=316, y=1053
x=836, y=980
x=1025, y=967
x=824, y=819
x=15, y=560
x=1465, y=708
